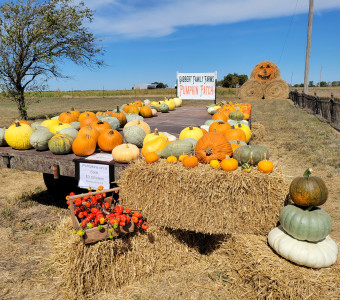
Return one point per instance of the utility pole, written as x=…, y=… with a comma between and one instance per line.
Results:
x=320, y=76
x=309, y=41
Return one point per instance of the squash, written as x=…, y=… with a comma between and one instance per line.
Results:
x=113, y=121
x=75, y=125
x=84, y=145
x=120, y=115
x=125, y=153
x=70, y=131
x=134, y=135
x=229, y=164
x=59, y=127
x=246, y=130
x=145, y=112
x=130, y=117
x=145, y=126
x=190, y=161
x=265, y=166
x=176, y=148
x=60, y=144
x=170, y=137
x=149, y=137
x=67, y=117
x=2, y=137
x=308, y=190
x=191, y=132
x=178, y=101
x=209, y=122
x=170, y=103
x=211, y=110
x=234, y=122
x=236, y=115
x=303, y=224
x=314, y=255
x=39, y=138
x=154, y=145
x=49, y=123
x=164, y=108
x=109, y=139
x=18, y=136
x=251, y=154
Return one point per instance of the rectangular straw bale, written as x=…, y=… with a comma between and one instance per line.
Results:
x=85, y=270
x=254, y=265
x=203, y=199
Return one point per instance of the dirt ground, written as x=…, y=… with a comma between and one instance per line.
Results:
x=29, y=214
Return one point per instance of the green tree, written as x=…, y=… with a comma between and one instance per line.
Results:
x=323, y=83
x=231, y=80
x=242, y=79
x=160, y=85
x=311, y=83
x=35, y=37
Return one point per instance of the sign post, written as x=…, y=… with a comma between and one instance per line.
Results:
x=196, y=86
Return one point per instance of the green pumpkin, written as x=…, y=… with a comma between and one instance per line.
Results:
x=36, y=125
x=39, y=138
x=134, y=135
x=113, y=121
x=2, y=137
x=164, y=108
x=306, y=225
x=251, y=154
x=209, y=122
x=130, y=117
x=72, y=132
x=177, y=148
x=60, y=144
x=75, y=125
x=236, y=115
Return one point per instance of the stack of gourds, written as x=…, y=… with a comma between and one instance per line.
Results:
x=303, y=234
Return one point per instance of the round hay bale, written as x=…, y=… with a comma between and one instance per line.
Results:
x=265, y=71
x=251, y=89
x=276, y=89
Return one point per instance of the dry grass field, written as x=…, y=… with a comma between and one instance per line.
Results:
x=30, y=216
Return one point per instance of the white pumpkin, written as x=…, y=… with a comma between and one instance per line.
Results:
x=170, y=137
x=206, y=127
x=147, y=101
x=212, y=110
x=315, y=255
x=178, y=102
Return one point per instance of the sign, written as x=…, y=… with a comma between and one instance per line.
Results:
x=200, y=86
x=100, y=157
x=94, y=175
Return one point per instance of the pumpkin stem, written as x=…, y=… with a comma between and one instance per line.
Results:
x=309, y=208
x=191, y=128
x=117, y=109
x=208, y=151
x=156, y=131
x=17, y=123
x=307, y=173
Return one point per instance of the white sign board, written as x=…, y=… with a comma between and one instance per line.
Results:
x=200, y=86
x=94, y=175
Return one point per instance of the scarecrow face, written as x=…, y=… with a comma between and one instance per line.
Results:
x=265, y=71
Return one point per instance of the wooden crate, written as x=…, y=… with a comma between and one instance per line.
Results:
x=93, y=235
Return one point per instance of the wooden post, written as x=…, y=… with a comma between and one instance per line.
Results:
x=309, y=41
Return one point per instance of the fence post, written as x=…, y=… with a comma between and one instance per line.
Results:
x=332, y=108
x=316, y=104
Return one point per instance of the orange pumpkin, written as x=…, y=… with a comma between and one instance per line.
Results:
x=22, y=122
x=75, y=112
x=85, y=114
x=101, y=126
x=89, y=130
x=133, y=109
x=220, y=127
x=120, y=116
x=87, y=120
x=190, y=161
x=229, y=164
x=212, y=146
x=220, y=116
x=84, y=145
x=265, y=71
x=235, y=134
x=151, y=157
x=109, y=139
x=145, y=112
x=138, y=103
x=67, y=117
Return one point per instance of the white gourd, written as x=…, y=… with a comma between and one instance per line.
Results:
x=315, y=255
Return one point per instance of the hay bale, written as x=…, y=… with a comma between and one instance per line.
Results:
x=204, y=199
x=268, y=276
x=251, y=89
x=84, y=270
x=258, y=132
x=276, y=89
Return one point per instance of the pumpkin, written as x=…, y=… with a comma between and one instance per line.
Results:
x=219, y=127
x=170, y=103
x=2, y=137
x=60, y=144
x=84, y=145
x=265, y=166
x=151, y=157
x=154, y=145
x=120, y=116
x=211, y=110
x=109, y=139
x=70, y=131
x=209, y=122
x=181, y=157
x=89, y=130
x=67, y=117
x=113, y=121
x=59, y=127
x=154, y=112
x=146, y=102
x=236, y=144
x=164, y=108
x=49, y=123
x=265, y=71
x=311, y=225
x=75, y=125
x=132, y=109
x=212, y=146
x=192, y=141
x=87, y=120
x=190, y=161
x=21, y=122
x=101, y=126
x=176, y=148
x=145, y=111
x=134, y=135
x=250, y=154
x=191, y=132
x=178, y=101
x=138, y=103
x=145, y=126
x=34, y=125
x=131, y=117
x=314, y=255
x=236, y=115
x=234, y=122
x=149, y=137
x=75, y=112
x=125, y=153
x=214, y=163
x=39, y=139
x=86, y=114
x=18, y=136
x=229, y=164
x=220, y=116
x=235, y=134
x=308, y=190
x=171, y=159
x=170, y=137
x=246, y=130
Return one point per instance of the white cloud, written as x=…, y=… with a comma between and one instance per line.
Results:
x=136, y=18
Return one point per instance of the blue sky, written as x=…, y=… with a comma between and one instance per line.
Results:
x=150, y=40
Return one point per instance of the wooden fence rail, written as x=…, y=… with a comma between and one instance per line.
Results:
x=324, y=108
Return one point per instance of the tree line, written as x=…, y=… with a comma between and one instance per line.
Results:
x=319, y=84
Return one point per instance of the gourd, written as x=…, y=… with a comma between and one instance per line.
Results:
x=192, y=141
x=60, y=144
x=39, y=139
x=178, y=101
x=154, y=112
x=113, y=121
x=308, y=190
x=151, y=157
x=265, y=166
x=154, y=145
x=176, y=148
x=205, y=127
x=170, y=137
x=75, y=125
x=209, y=122
x=246, y=130
x=59, y=127
x=125, y=153
x=250, y=154
x=170, y=103
x=315, y=255
x=134, y=135
x=34, y=125
x=190, y=161
x=164, y=108
x=2, y=137
x=149, y=137
x=146, y=101
x=145, y=112
x=311, y=225
x=211, y=110
x=130, y=117
x=109, y=139
x=236, y=144
x=229, y=164
x=49, y=123
x=70, y=131
x=145, y=126
x=234, y=122
x=236, y=115
x=191, y=132
x=120, y=115
x=84, y=145
x=18, y=136
x=212, y=146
